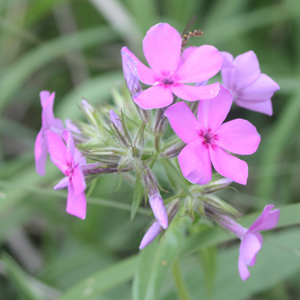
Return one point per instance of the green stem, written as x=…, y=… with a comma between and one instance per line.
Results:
x=179, y=282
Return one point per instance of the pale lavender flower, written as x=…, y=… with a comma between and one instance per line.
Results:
x=48, y=123
x=250, y=88
x=69, y=160
x=251, y=239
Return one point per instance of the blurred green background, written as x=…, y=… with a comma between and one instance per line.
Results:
x=73, y=47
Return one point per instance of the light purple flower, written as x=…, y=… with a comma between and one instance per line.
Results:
x=207, y=138
x=48, y=123
x=169, y=73
x=250, y=88
x=69, y=160
x=154, y=230
x=251, y=239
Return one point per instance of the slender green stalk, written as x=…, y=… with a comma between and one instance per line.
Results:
x=179, y=282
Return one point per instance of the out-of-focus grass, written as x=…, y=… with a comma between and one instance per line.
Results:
x=39, y=53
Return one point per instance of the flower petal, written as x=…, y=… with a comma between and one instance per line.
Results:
x=78, y=181
x=59, y=153
x=195, y=163
x=202, y=63
x=264, y=107
x=261, y=89
x=76, y=205
x=249, y=247
x=229, y=166
x=67, y=136
x=238, y=136
x=47, y=112
x=243, y=270
x=151, y=234
x=267, y=220
x=194, y=93
x=44, y=96
x=247, y=70
x=133, y=65
x=159, y=211
x=62, y=184
x=183, y=122
x=156, y=96
x=228, y=70
x=162, y=47
x=40, y=152
x=212, y=113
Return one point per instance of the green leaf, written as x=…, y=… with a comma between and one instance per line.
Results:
x=155, y=261
x=175, y=177
x=208, y=258
x=138, y=194
x=20, y=279
x=179, y=281
x=16, y=75
x=277, y=142
x=102, y=281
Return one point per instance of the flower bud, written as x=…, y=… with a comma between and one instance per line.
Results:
x=91, y=114
x=216, y=185
x=214, y=206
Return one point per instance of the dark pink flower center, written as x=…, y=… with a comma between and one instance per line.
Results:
x=69, y=171
x=167, y=81
x=208, y=137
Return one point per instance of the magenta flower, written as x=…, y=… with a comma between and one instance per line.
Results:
x=249, y=87
x=169, y=73
x=251, y=239
x=48, y=123
x=154, y=230
x=207, y=138
x=69, y=160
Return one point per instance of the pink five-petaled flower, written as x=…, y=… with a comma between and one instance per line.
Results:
x=251, y=239
x=48, y=123
x=207, y=138
x=69, y=160
x=168, y=73
x=250, y=88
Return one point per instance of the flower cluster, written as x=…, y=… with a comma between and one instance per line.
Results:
x=134, y=139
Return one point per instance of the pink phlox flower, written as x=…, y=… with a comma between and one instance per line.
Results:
x=69, y=160
x=169, y=71
x=251, y=239
x=154, y=230
x=207, y=138
x=250, y=88
x=48, y=123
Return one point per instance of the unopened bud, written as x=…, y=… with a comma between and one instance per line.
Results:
x=214, y=186
x=213, y=206
x=173, y=150
x=91, y=114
